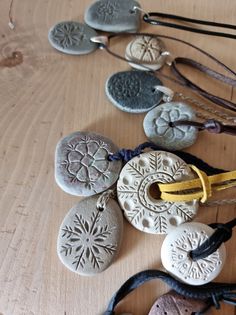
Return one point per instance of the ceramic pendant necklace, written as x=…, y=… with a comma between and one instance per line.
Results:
x=158, y=191
x=176, y=258
x=113, y=15
x=81, y=164
x=147, y=51
x=138, y=194
x=90, y=235
x=104, y=43
x=185, y=299
x=173, y=303
x=133, y=91
x=72, y=38
x=158, y=126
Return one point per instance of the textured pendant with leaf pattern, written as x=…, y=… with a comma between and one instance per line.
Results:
x=137, y=192
x=90, y=237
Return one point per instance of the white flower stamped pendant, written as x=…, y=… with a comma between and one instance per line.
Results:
x=176, y=258
x=90, y=237
x=137, y=187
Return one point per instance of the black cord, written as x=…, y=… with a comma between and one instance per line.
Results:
x=148, y=19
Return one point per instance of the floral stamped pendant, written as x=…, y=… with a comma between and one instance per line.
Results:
x=176, y=258
x=173, y=303
x=158, y=129
x=90, y=237
x=137, y=187
x=82, y=167
x=147, y=51
x=133, y=91
x=113, y=16
x=72, y=38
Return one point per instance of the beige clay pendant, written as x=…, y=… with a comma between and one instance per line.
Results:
x=146, y=52
x=90, y=236
x=176, y=257
x=137, y=192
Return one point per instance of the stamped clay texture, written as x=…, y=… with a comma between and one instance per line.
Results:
x=72, y=38
x=81, y=164
x=157, y=127
x=177, y=261
x=113, y=16
x=134, y=189
x=89, y=239
x=173, y=303
x=148, y=51
x=133, y=91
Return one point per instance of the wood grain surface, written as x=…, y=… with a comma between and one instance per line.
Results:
x=46, y=95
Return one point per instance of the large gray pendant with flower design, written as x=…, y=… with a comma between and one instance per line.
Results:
x=158, y=129
x=90, y=237
x=82, y=167
x=72, y=38
x=133, y=91
x=113, y=15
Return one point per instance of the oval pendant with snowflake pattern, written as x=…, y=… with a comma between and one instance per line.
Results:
x=90, y=238
x=138, y=193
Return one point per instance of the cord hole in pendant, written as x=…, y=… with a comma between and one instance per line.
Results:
x=100, y=209
x=132, y=11
x=154, y=191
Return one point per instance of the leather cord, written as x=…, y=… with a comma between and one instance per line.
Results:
x=187, y=82
x=182, y=80
x=212, y=292
x=210, y=125
x=151, y=18
x=127, y=154
x=222, y=234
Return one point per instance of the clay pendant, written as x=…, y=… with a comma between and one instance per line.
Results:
x=133, y=91
x=137, y=192
x=177, y=261
x=147, y=51
x=82, y=167
x=90, y=237
x=72, y=38
x=157, y=126
x=173, y=303
x=113, y=16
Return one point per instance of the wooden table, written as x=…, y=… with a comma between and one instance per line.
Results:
x=50, y=95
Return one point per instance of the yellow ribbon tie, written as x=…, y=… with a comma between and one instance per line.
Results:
x=200, y=188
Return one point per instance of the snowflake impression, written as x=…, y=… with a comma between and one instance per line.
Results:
x=87, y=241
x=68, y=34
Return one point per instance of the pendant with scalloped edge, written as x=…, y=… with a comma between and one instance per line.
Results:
x=176, y=258
x=89, y=238
x=142, y=208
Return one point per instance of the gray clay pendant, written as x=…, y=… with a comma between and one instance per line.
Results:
x=72, y=38
x=157, y=127
x=82, y=167
x=113, y=16
x=90, y=238
x=173, y=303
x=133, y=91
